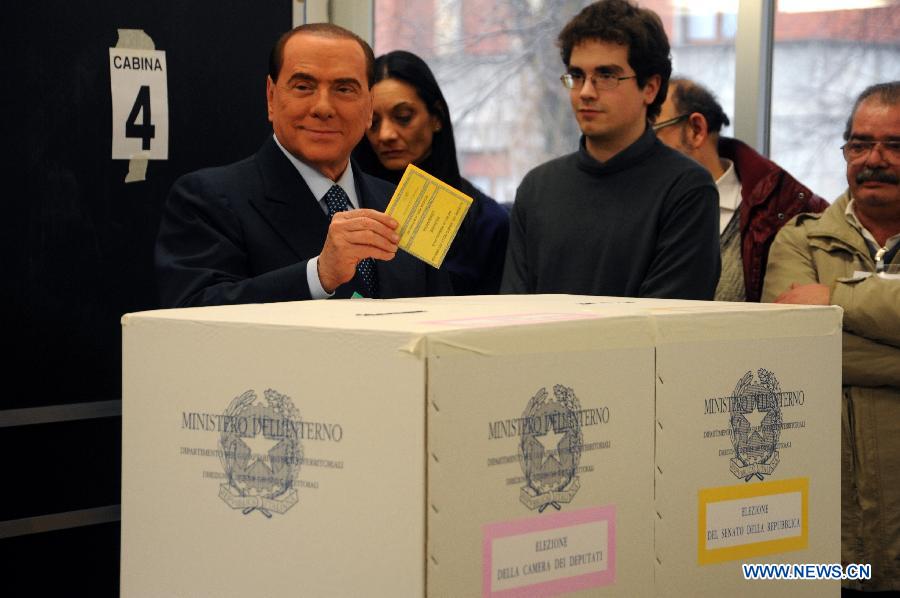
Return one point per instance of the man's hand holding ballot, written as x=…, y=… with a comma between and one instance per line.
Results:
x=353, y=236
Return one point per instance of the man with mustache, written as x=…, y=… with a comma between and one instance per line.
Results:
x=297, y=220
x=624, y=215
x=849, y=255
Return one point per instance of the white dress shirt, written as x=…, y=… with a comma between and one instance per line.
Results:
x=729, y=187
x=319, y=184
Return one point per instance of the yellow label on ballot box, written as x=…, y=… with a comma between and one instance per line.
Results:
x=752, y=520
x=429, y=212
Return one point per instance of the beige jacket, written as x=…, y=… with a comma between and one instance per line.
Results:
x=824, y=248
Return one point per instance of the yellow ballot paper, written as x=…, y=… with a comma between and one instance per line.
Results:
x=429, y=212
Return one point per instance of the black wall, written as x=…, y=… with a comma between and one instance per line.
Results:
x=76, y=248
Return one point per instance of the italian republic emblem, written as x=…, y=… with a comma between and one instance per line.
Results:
x=550, y=448
x=755, y=441
x=260, y=453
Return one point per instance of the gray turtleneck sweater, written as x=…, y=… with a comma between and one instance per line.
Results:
x=645, y=223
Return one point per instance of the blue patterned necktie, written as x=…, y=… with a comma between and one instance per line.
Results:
x=337, y=201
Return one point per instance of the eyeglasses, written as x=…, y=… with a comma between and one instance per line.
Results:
x=671, y=121
x=857, y=149
x=599, y=81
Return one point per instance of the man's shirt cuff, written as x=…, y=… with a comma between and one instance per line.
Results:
x=312, y=279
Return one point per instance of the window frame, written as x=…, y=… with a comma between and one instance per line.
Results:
x=754, y=49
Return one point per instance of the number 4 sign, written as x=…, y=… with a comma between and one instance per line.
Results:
x=140, y=104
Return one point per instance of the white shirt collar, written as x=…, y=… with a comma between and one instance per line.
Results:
x=318, y=183
x=729, y=187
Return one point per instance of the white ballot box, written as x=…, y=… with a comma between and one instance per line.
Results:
x=479, y=446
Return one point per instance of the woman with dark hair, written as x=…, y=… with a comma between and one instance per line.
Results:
x=411, y=125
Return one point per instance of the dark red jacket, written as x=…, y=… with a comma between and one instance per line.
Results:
x=769, y=198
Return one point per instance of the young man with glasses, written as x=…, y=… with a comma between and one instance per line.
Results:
x=624, y=215
x=756, y=196
x=849, y=255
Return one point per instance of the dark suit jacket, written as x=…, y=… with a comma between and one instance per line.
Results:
x=243, y=233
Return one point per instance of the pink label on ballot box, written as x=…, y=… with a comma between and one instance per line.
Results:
x=550, y=554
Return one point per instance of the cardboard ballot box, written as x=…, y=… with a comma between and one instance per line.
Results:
x=493, y=446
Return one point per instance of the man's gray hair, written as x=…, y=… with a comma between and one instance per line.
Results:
x=887, y=93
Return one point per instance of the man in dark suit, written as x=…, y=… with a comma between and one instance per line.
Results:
x=296, y=220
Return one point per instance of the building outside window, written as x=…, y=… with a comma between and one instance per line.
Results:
x=498, y=65
x=823, y=59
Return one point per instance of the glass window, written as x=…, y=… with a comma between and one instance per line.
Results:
x=729, y=25
x=499, y=67
x=823, y=59
x=701, y=27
